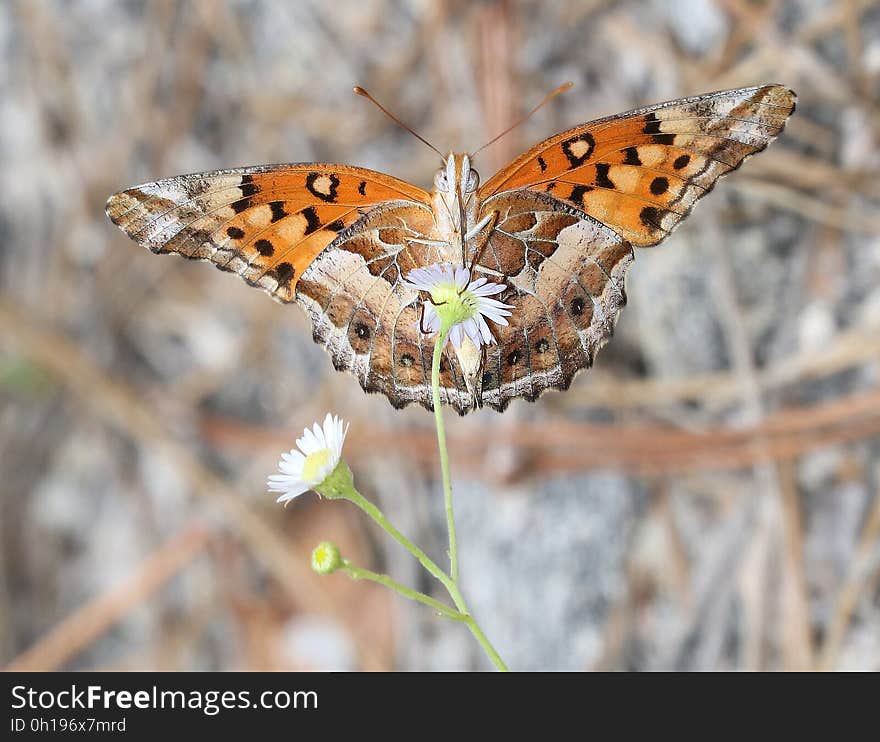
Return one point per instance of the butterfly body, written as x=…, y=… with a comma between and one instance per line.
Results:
x=557, y=226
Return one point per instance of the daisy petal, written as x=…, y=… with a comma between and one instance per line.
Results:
x=485, y=333
x=292, y=493
x=470, y=328
x=329, y=428
x=291, y=469
x=294, y=457
x=488, y=290
x=308, y=444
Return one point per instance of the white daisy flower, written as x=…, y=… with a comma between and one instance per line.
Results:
x=457, y=303
x=320, y=450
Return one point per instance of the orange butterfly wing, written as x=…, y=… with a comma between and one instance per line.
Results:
x=568, y=211
x=266, y=223
x=641, y=172
x=334, y=238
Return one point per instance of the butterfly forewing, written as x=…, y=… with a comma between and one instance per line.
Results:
x=641, y=172
x=266, y=224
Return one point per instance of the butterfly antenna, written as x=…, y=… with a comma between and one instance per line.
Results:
x=360, y=91
x=561, y=89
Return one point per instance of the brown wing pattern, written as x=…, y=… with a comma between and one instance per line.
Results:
x=267, y=223
x=566, y=277
x=365, y=318
x=641, y=172
x=336, y=239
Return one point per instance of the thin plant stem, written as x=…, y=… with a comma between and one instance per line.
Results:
x=379, y=518
x=359, y=573
x=451, y=587
x=345, y=488
x=485, y=643
x=444, y=455
x=453, y=590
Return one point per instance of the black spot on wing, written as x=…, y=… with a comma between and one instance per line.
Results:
x=632, y=156
x=652, y=124
x=313, y=223
x=602, y=179
x=542, y=164
x=333, y=184
x=664, y=138
x=568, y=148
x=577, y=194
x=235, y=233
x=283, y=273
x=681, y=162
x=651, y=217
x=278, y=211
x=265, y=248
x=659, y=185
x=248, y=187
x=362, y=188
x=242, y=205
x=335, y=226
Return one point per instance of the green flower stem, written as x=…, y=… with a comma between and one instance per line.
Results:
x=359, y=573
x=340, y=484
x=379, y=517
x=444, y=455
x=485, y=643
x=452, y=588
x=351, y=494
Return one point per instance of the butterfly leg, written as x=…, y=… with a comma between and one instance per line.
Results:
x=478, y=227
x=419, y=240
x=422, y=318
x=422, y=328
x=478, y=387
x=489, y=219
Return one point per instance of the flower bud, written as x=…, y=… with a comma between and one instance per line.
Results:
x=326, y=558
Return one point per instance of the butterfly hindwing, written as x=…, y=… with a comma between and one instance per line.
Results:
x=641, y=172
x=566, y=277
x=365, y=318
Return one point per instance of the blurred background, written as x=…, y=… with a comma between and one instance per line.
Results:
x=706, y=498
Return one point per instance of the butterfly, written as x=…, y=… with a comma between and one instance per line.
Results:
x=557, y=226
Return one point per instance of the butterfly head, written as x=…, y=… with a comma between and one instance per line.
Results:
x=454, y=197
x=457, y=176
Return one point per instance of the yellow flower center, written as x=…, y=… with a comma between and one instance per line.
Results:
x=313, y=464
x=451, y=306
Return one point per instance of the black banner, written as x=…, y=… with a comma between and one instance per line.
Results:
x=135, y=705
x=143, y=705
